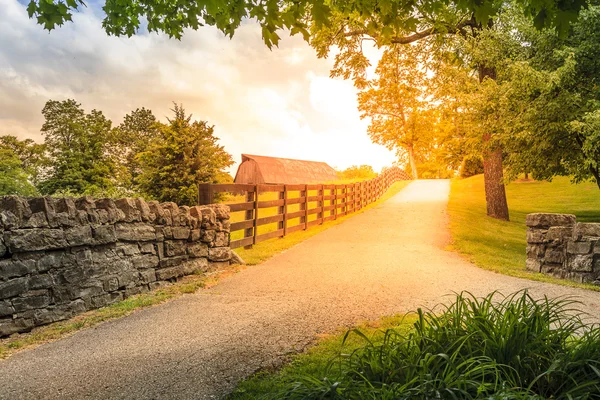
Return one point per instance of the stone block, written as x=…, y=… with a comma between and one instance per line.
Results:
x=535, y=250
x=536, y=235
x=79, y=235
x=10, y=268
x=144, y=209
x=181, y=232
x=554, y=256
x=559, y=233
x=21, y=304
x=106, y=299
x=208, y=236
x=37, y=220
x=110, y=284
x=170, y=273
x=35, y=239
x=221, y=211
x=157, y=211
x=6, y=308
x=172, y=261
x=129, y=208
x=7, y=327
x=579, y=247
x=41, y=281
x=128, y=279
x=185, y=268
x=66, y=214
x=185, y=219
x=13, y=287
x=219, y=254
x=145, y=261
x=546, y=220
x=157, y=285
x=45, y=206
x=14, y=211
x=147, y=248
x=175, y=248
x=580, y=263
x=221, y=239
x=3, y=249
x=128, y=249
x=49, y=261
x=236, y=259
x=135, y=232
x=533, y=265
x=148, y=276
x=195, y=235
x=586, y=230
x=225, y=225
x=104, y=234
x=171, y=211
x=135, y=291
x=197, y=250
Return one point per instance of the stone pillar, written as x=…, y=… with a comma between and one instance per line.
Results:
x=547, y=235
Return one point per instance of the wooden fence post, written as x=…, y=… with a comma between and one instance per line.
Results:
x=305, y=207
x=285, y=210
x=249, y=232
x=205, y=194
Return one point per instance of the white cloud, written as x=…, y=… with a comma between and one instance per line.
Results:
x=278, y=103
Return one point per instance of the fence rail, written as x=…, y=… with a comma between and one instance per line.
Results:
x=306, y=205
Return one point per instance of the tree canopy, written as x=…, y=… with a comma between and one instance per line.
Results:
x=385, y=19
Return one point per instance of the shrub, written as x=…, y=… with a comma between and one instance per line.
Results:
x=471, y=165
x=495, y=347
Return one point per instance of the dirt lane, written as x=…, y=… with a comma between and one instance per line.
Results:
x=385, y=261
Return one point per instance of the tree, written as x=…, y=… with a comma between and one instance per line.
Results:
x=13, y=178
x=184, y=154
x=357, y=173
x=78, y=147
x=32, y=155
x=132, y=136
x=395, y=102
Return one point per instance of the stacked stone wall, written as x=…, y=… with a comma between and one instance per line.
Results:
x=62, y=256
x=559, y=246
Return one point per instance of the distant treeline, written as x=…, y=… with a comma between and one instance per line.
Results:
x=84, y=154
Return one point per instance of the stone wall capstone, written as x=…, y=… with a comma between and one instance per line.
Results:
x=62, y=256
x=560, y=246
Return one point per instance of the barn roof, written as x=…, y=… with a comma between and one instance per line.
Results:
x=287, y=170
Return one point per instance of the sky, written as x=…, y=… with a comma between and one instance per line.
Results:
x=278, y=103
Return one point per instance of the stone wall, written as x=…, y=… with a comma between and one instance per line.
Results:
x=560, y=246
x=61, y=257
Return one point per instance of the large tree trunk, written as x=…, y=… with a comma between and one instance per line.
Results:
x=412, y=162
x=493, y=174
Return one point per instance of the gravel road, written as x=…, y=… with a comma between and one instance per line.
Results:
x=385, y=261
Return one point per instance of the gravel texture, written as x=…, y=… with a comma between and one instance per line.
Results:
x=385, y=261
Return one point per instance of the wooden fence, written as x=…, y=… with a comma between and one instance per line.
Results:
x=328, y=202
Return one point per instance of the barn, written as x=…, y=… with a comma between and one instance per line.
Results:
x=275, y=170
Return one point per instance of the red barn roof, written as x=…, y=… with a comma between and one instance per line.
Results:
x=275, y=170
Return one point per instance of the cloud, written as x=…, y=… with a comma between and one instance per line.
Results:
x=278, y=103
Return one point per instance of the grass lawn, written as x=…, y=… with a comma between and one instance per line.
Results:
x=499, y=245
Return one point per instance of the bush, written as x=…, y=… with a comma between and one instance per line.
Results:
x=491, y=348
x=471, y=165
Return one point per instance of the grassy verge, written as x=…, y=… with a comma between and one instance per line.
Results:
x=265, y=250
x=58, y=330
x=500, y=245
x=512, y=348
x=315, y=362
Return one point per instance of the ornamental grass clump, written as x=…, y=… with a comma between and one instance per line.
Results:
x=497, y=347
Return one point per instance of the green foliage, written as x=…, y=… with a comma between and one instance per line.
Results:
x=13, y=178
x=78, y=147
x=132, y=137
x=388, y=19
x=32, y=155
x=513, y=347
x=357, y=173
x=471, y=165
x=184, y=154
